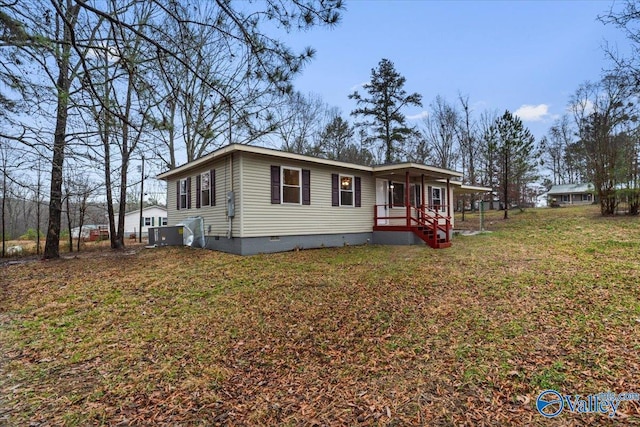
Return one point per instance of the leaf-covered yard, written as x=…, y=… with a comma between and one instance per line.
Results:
x=353, y=336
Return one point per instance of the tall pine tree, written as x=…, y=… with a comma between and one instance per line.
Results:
x=381, y=110
x=514, y=145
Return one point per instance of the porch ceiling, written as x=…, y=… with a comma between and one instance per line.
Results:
x=398, y=172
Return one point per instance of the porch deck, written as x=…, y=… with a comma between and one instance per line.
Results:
x=430, y=223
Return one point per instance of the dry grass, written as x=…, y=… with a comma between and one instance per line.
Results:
x=362, y=335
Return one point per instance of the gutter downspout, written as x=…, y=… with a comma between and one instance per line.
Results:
x=229, y=196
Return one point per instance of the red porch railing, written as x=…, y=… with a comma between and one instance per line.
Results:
x=424, y=221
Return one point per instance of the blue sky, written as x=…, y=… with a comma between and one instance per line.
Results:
x=502, y=54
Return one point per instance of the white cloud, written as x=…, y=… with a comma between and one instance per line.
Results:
x=420, y=115
x=585, y=107
x=532, y=113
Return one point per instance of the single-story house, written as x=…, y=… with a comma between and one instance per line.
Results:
x=570, y=194
x=152, y=216
x=258, y=200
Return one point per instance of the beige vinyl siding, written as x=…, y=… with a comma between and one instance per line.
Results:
x=213, y=216
x=261, y=218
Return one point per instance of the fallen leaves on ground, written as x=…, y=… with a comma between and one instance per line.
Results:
x=367, y=336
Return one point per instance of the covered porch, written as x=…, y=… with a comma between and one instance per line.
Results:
x=413, y=205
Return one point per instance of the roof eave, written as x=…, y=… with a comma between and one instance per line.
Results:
x=232, y=148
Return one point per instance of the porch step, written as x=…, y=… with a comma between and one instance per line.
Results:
x=426, y=234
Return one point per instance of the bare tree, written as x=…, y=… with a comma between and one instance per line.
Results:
x=601, y=111
x=57, y=38
x=300, y=120
x=440, y=131
x=557, y=145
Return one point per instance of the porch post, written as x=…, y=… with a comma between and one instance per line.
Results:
x=448, y=199
x=423, y=193
x=406, y=198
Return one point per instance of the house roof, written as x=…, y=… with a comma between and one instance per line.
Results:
x=399, y=168
x=137, y=211
x=571, y=189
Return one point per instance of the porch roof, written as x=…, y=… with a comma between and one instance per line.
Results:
x=470, y=189
x=414, y=169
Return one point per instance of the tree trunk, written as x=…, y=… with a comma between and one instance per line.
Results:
x=63, y=83
x=52, y=244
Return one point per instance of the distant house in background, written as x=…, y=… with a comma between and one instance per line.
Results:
x=570, y=194
x=152, y=216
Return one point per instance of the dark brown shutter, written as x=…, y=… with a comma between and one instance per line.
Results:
x=178, y=194
x=212, y=183
x=198, y=192
x=275, y=185
x=335, y=190
x=358, y=191
x=189, y=193
x=306, y=187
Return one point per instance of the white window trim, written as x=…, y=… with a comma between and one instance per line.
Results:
x=164, y=221
x=353, y=190
x=185, y=193
x=282, y=185
x=443, y=198
x=202, y=190
x=147, y=219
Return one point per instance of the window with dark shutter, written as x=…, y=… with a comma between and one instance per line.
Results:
x=335, y=189
x=358, y=191
x=306, y=187
x=275, y=185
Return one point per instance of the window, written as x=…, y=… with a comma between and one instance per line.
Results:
x=291, y=187
x=163, y=221
x=415, y=195
x=346, y=190
x=147, y=221
x=205, y=189
x=438, y=200
x=565, y=197
x=397, y=194
x=184, y=191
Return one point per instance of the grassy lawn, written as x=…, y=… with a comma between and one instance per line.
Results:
x=371, y=335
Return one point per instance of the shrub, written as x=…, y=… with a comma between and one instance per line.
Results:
x=31, y=234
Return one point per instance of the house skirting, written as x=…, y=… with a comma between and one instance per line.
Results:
x=396, y=238
x=258, y=245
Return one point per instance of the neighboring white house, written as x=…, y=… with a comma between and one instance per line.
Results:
x=257, y=200
x=152, y=216
x=570, y=194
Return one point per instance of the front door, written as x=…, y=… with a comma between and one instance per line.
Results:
x=382, y=193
